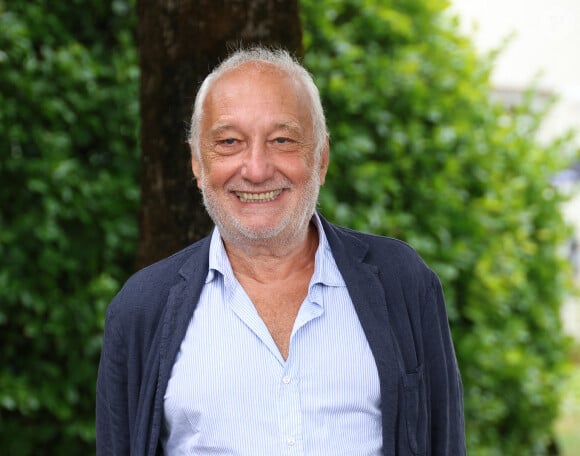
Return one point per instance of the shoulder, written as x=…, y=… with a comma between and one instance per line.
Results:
x=382, y=251
x=392, y=245
x=396, y=263
x=144, y=294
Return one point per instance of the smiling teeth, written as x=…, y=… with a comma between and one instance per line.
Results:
x=258, y=197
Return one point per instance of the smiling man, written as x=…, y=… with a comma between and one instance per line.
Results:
x=279, y=333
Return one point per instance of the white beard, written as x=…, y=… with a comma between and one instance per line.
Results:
x=292, y=226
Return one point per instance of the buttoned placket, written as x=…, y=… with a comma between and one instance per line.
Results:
x=289, y=401
x=289, y=410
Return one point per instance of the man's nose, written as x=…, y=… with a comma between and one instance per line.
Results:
x=257, y=166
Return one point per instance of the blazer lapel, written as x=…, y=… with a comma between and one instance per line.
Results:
x=181, y=302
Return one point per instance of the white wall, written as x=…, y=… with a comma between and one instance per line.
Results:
x=545, y=41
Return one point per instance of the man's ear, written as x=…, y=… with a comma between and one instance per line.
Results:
x=196, y=168
x=324, y=160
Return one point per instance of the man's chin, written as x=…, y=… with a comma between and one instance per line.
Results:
x=256, y=233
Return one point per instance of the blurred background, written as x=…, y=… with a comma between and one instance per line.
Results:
x=454, y=126
x=538, y=43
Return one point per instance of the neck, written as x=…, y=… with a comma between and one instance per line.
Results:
x=270, y=261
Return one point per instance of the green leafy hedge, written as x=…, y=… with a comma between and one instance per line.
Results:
x=419, y=152
x=68, y=202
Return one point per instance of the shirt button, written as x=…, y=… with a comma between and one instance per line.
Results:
x=286, y=380
x=290, y=441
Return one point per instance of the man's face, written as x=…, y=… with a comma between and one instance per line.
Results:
x=258, y=171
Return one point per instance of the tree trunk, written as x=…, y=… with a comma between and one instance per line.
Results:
x=179, y=42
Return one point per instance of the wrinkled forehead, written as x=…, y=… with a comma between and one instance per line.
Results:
x=258, y=88
x=257, y=75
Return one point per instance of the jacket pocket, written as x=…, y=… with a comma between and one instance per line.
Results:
x=415, y=410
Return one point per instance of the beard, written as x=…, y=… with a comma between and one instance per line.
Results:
x=291, y=226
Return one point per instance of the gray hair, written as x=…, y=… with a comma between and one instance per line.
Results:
x=280, y=59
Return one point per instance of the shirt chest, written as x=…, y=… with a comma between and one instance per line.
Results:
x=231, y=391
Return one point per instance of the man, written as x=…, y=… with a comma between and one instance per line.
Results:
x=279, y=333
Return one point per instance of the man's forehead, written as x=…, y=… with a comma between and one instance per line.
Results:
x=253, y=86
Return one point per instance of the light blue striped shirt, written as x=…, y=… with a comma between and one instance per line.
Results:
x=232, y=393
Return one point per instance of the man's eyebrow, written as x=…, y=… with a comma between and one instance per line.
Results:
x=293, y=127
x=218, y=129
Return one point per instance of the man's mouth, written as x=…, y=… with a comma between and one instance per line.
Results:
x=258, y=197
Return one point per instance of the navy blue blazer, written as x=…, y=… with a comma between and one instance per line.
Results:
x=399, y=303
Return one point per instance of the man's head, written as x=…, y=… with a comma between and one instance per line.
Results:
x=278, y=58
x=259, y=147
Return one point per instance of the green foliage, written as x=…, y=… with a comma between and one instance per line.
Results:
x=68, y=201
x=419, y=152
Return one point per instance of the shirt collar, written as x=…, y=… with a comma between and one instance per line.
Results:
x=218, y=258
x=325, y=269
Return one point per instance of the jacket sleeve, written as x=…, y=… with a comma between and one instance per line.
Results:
x=112, y=423
x=447, y=428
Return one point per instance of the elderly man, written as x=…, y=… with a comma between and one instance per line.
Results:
x=280, y=333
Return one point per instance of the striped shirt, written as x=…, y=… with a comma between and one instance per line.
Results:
x=232, y=393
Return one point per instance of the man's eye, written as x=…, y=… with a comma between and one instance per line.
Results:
x=282, y=140
x=229, y=141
